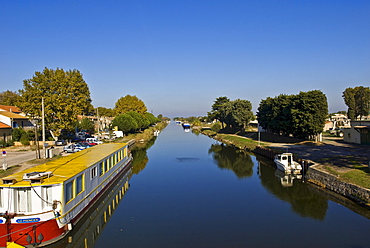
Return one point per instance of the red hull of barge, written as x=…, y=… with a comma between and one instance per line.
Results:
x=18, y=232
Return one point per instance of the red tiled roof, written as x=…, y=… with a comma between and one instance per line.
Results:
x=3, y=125
x=10, y=108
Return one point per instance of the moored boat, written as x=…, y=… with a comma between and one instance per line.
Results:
x=185, y=125
x=285, y=162
x=40, y=205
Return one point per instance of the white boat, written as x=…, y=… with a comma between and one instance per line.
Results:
x=286, y=163
x=40, y=205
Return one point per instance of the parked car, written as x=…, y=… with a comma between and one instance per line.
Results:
x=60, y=143
x=82, y=146
x=93, y=141
x=71, y=148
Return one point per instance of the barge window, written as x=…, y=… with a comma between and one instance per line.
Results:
x=102, y=164
x=94, y=172
x=69, y=191
x=79, y=184
x=23, y=199
x=47, y=196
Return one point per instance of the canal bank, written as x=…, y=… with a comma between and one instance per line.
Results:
x=325, y=163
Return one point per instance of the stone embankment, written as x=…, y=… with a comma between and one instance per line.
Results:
x=331, y=182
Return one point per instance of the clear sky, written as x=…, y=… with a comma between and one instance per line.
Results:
x=179, y=56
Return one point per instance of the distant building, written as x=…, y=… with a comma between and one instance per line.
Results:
x=358, y=133
x=336, y=121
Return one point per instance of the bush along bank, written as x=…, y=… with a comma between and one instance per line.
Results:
x=147, y=134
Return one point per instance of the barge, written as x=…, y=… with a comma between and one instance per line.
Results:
x=40, y=205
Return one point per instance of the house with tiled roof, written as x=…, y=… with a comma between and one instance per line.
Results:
x=12, y=117
x=5, y=132
x=12, y=109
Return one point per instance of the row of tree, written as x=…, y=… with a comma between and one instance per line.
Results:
x=133, y=121
x=302, y=115
x=65, y=95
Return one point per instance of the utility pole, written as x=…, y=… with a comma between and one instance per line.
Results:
x=43, y=128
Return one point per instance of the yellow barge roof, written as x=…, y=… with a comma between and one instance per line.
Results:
x=65, y=167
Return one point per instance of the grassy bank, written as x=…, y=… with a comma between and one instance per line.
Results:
x=240, y=142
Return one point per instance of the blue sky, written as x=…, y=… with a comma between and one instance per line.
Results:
x=179, y=56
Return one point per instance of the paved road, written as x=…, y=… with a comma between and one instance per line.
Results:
x=331, y=149
x=18, y=157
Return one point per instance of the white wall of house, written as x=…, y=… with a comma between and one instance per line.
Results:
x=6, y=120
x=351, y=135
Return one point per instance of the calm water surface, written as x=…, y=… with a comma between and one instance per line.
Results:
x=187, y=190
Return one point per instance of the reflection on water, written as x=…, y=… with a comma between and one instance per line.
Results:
x=302, y=199
x=140, y=157
x=286, y=179
x=88, y=229
x=229, y=158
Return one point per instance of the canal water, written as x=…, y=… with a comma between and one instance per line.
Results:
x=188, y=190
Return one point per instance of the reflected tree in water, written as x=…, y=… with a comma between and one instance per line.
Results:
x=303, y=199
x=228, y=157
x=140, y=157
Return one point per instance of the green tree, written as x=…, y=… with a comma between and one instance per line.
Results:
x=129, y=103
x=65, y=95
x=362, y=98
x=9, y=98
x=349, y=100
x=242, y=113
x=302, y=115
x=86, y=124
x=358, y=101
x=125, y=123
x=101, y=111
x=236, y=114
x=141, y=120
x=215, y=114
x=309, y=113
x=152, y=119
x=17, y=134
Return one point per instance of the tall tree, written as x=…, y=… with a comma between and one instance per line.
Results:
x=362, y=98
x=129, y=103
x=214, y=114
x=9, y=98
x=309, y=112
x=237, y=113
x=65, y=93
x=358, y=101
x=349, y=100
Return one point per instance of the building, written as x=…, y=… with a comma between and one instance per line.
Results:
x=12, y=117
x=358, y=133
x=5, y=132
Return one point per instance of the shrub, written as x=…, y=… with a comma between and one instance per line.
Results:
x=216, y=127
x=25, y=140
x=17, y=134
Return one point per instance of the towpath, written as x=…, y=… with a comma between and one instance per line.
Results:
x=332, y=151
